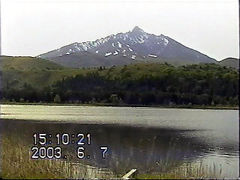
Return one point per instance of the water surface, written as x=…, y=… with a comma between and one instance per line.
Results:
x=153, y=140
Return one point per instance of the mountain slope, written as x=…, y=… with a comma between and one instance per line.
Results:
x=16, y=72
x=230, y=62
x=88, y=59
x=27, y=64
x=125, y=48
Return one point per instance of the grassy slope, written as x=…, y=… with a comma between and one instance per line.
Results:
x=230, y=62
x=27, y=64
x=35, y=71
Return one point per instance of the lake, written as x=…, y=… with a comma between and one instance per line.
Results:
x=152, y=140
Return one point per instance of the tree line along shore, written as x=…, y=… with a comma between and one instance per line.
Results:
x=152, y=84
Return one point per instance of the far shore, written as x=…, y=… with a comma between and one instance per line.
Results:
x=217, y=107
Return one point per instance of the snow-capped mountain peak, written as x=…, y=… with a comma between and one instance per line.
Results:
x=132, y=45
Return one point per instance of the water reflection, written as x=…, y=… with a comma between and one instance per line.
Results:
x=148, y=149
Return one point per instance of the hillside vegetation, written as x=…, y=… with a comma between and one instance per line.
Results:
x=27, y=64
x=135, y=84
x=230, y=62
x=18, y=72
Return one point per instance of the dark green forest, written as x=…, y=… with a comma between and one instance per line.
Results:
x=136, y=84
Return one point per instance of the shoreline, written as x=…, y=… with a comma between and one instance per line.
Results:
x=218, y=107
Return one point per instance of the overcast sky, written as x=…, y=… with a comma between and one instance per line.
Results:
x=32, y=27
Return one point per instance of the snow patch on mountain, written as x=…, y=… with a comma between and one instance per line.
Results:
x=108, y=54
x=119, y=45
x=165, y=42
x=152, y=55
x=133, y=57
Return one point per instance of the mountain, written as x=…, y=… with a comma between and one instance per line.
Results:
x=230, y=62
x=126, y=48
x=87, y=59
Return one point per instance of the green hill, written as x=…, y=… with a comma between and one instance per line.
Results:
x=39, y=73
x=27, y=64
x=230, y=62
